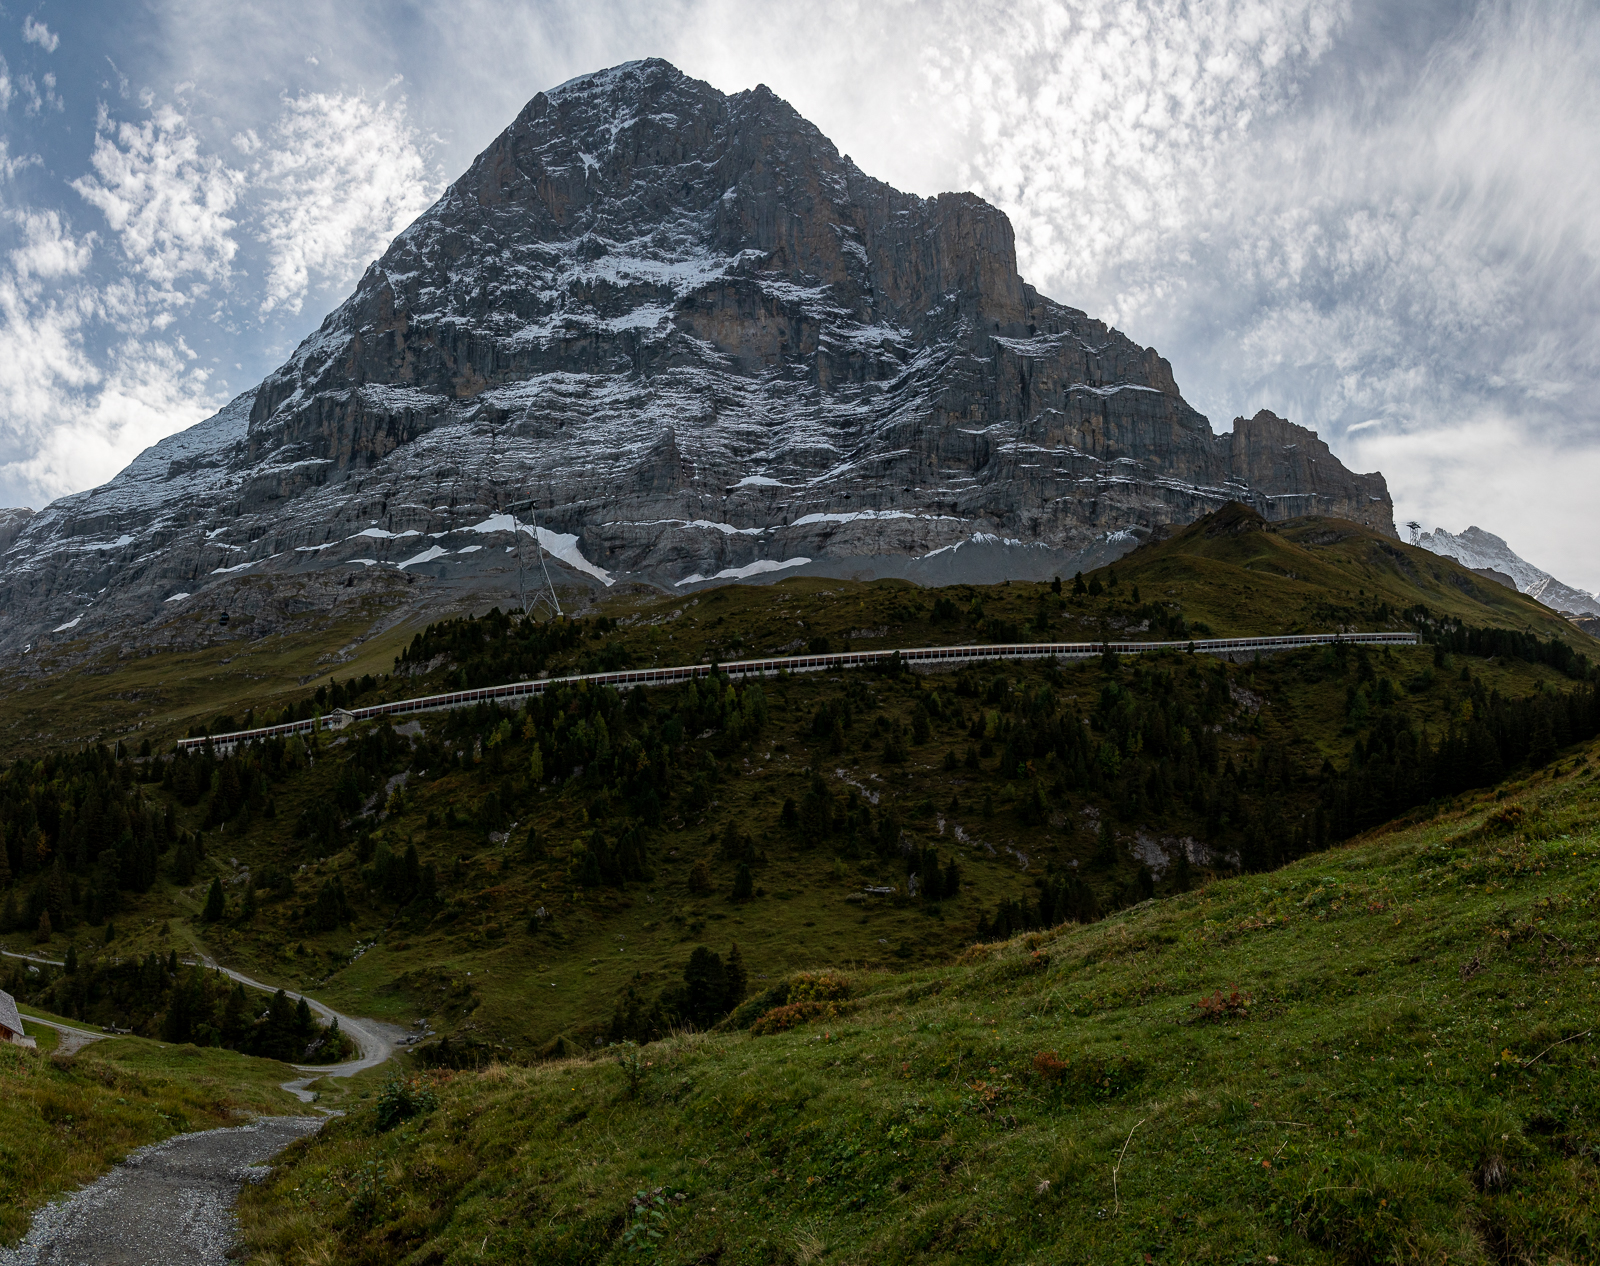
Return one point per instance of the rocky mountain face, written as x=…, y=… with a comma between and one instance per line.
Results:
x=660, y=334
x=1485, y=552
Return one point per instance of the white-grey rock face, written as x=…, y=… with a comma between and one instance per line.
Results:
x=1484, y=551
x=700, y=345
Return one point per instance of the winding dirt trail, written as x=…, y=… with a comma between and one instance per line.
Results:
x=375, y=1040
x=169, y=1204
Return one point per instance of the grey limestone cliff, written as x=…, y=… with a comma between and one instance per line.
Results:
x=675, y=337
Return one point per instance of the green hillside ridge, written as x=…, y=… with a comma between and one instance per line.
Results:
x=520, y=915
x=1229, y=574
x=1383, y=1052
x=528, y=881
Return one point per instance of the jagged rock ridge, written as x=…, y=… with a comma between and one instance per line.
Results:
x=695, y=342
x=1485, y=552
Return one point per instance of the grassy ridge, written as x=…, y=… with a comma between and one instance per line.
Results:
x=1405, y=1073
x=1230, y=573
x=65, y=1120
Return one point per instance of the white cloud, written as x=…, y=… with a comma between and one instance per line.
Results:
x=7, y=91
x=35, y=32
x=167, y=201
x=341, y=178
x=48, y=249
x=146, y=391
x=1534, y=488
x=9, y=166
x=1104, y=129
x=73, y=414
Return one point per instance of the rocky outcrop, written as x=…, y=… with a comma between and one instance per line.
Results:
x=1294, y=471
x=691, y=342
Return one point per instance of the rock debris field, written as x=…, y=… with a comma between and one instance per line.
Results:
x=169, y=1204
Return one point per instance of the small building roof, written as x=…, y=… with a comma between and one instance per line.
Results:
x=9, y=1019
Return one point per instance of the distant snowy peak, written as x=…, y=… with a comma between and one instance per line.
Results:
x=1484, y=551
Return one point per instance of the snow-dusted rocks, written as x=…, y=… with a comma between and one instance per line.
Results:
x=1485, y=552
x=689, y=341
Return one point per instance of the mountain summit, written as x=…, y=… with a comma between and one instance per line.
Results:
x=1486, y=553
x=689, y=340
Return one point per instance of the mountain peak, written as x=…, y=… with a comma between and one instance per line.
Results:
x=1483, y=551
x=677, y=338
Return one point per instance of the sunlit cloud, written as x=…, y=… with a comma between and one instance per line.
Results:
x=166, y=199
x=341, y=178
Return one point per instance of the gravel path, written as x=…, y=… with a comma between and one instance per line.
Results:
x=72, y=1040
x=169, y=1204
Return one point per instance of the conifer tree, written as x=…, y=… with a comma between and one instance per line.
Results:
x=705, y=987
x=738, y=979
x=743, y=884
x=1106, y=848
x=71, y=964
x=215, y=904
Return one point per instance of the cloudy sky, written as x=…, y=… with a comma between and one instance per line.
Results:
x=1381, y=220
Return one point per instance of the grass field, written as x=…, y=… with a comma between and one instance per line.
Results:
x=64, y=1120
x=1381, y=1053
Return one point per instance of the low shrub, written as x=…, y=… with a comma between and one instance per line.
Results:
x=401, y=1099
x=1086, y=1077
x=1232, y=1005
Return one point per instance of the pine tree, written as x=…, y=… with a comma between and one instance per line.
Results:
x=743, y=884
x=1182, y=875
x=215, y=904
x=44, y=931
x=705, y=987
x=1106, y=849
x=235, y=1017
x=111, y=932
x=700, y=878
x=412, y=881
x=71, y=964
x=738, y=980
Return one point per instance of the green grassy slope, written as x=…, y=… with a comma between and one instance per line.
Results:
x=475, y=964
x=1245, y=576
x=1407, y=1073
x=65, y=1120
